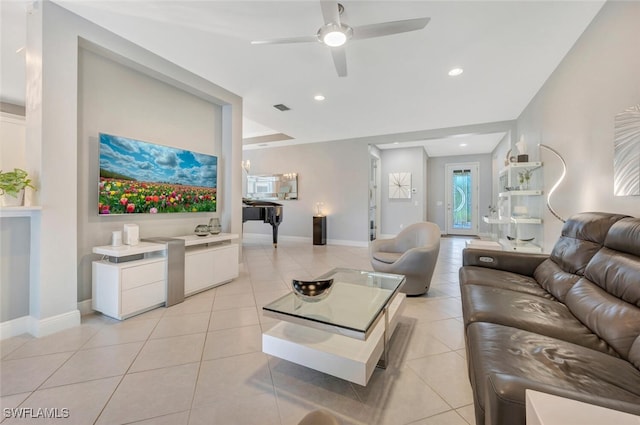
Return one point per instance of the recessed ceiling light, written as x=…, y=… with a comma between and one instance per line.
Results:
x=455, y=72
x=396, y=143
x=463, y=144
x=319, y=97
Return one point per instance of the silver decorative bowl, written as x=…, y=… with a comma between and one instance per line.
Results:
x=313, y=290
x=202, y=230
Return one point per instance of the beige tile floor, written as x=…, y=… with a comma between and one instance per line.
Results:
x=200, y=362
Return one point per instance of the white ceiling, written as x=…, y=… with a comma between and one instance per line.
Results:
x=396, y=84
x=450, y=146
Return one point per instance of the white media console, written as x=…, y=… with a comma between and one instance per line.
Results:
x=133, y=279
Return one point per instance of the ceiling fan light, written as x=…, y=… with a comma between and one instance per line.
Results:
x=334, y=35
x=334, y=38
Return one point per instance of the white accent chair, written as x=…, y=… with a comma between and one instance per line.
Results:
x=412, y=253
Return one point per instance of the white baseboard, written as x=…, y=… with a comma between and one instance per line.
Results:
x=15, y=327
x=302, y=239
x=362, y=244
x=54, y=324
x=38, y=328
x=269, y=238
x=85, y=307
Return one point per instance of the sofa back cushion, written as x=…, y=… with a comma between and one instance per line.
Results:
x=582, y=236
x=554, y=280
x=634, y=353
x=607, y=298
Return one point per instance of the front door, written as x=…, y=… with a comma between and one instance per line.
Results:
x=462, y=198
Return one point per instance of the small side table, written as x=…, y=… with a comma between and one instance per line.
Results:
x=549, y=409
x=319, y=230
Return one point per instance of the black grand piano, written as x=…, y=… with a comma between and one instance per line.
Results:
x=268, y=212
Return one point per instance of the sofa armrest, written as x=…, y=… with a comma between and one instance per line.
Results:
x=417, y=258
x=515, y=262
x=505, y=402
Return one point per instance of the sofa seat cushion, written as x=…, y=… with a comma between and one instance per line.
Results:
x=555, y=366
x=527, y=312
x=474, y=275
x=387, y=257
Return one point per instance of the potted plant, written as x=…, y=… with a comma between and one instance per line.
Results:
x=12, y=185
x=523, y=179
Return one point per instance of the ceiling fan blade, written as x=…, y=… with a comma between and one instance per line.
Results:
x=301, y=39
x=339, y=60
x=389, y=28
x=330, y=12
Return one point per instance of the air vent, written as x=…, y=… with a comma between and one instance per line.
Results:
x=281, y=107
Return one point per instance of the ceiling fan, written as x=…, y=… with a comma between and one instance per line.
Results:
x=335, y=33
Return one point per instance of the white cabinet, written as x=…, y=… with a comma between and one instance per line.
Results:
x=121, y=290
x=209, y=266
x=209, y=261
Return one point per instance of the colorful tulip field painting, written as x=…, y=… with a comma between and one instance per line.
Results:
x=141, y=177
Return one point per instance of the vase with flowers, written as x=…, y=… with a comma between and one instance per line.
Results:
x=523, y=178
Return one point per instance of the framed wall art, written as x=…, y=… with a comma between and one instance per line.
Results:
x=399, y=185
x=626, y=152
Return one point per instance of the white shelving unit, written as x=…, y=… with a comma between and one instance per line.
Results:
x=122, y=288
x=521, y=208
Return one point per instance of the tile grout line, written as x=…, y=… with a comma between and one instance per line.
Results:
x=127, y=371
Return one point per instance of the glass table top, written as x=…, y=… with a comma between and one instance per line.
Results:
x=355, y=302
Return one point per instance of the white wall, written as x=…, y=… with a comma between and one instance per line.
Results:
x=14, y=267
x=54, y=38
x=115, y=99
x=335, y=173
x=574, y=113
x=396, y=214
x=12, y=142
x=14, y=232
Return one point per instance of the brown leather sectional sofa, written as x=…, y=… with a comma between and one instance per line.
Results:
x=566, y=324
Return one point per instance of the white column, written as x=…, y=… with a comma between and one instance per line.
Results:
x=51, y=140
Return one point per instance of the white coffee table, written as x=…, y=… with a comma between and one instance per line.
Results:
x=347, y=333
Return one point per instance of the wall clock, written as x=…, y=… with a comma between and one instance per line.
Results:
x=399, y=185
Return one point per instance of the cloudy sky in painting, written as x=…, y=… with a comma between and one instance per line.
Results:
x=149, y=162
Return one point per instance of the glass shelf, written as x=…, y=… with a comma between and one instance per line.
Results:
x=514, y=165
x=509, y=220
x=531, y=192
x=520, y=246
